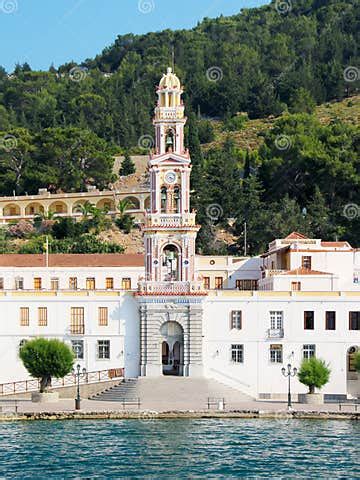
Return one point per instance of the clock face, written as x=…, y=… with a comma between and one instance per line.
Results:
x=170, y=177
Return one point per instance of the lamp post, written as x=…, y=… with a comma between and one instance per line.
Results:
x=289, y=372
x=77, y=373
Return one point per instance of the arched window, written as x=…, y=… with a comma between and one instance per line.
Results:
x=163, y=199
x=177, y=199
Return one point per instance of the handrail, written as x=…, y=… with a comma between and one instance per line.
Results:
x=23, y=386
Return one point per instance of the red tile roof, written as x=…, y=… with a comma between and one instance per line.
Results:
x=304, y=271
x=72, y=260
x=296, y=236
x=335, y=244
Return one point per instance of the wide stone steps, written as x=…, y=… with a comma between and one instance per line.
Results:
x=126, y=390
x=172, y=393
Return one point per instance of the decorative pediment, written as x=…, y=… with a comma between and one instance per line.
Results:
x=169, y=159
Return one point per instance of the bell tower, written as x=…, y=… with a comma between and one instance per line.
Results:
x=170, y=227
x=170, y=296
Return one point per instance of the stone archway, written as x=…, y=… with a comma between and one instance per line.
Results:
x=352, y=376
x=172, y=348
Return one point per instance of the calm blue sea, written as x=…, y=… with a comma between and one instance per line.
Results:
x=174, y=449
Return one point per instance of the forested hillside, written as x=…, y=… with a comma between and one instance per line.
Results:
x=60, y=129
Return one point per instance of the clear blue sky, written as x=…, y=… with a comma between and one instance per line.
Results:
x=42, y=32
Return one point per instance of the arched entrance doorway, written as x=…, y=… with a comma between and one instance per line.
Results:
x=352, y=376
x=171, y=264
x=172, y=349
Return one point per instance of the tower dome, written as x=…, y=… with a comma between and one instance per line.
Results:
x=170, y=80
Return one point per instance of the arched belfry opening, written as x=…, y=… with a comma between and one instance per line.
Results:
x=172, y=349
x=170, y=141
x=171, y=262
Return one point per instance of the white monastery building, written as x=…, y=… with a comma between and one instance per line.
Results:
x=171, y=312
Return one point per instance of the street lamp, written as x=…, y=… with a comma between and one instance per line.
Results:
x=290, y=372
x=77, y=373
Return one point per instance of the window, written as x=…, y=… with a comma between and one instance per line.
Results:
x=77, y=326
x=54, y=283
x=1, y=283
x=276, y=353
x=104, y=349
x=246, y=284
x=276, y=320
x=90, y=283
x=24, y=316
x=22, y=343
x=296, y=286
x=207, y=283
x=219, y=282
x=42, y=316
x=354, y=320
x=37, y=283
x=351, y=359
x=236, y=320
x=103, y=316
x=308, y=351
x=73, y=283
x=309, y=320
x=78, y=349
x=126, y=283
x=109, y=283
x=330, y=320
x=19, y=283
x=306, y=262
x=237, y=353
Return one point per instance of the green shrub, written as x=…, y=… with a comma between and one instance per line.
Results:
x=44, y=359
x=125, y=223
x=206, y=131
x=314, y=373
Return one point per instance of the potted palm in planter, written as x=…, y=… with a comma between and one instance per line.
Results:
x=44, y=359
x=314, y=373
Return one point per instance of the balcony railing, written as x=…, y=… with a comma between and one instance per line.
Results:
x=165, y=113
x=77, y=329
x=24, y=386
x=170, y=220
x=276, y=333
x=171, y=288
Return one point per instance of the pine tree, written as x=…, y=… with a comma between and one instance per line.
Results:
x=127, y=165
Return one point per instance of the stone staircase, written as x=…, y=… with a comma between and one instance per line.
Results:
x=125, y=390
x=173, y=393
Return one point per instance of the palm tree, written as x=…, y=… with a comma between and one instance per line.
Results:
x=87, y=209
x=123, y=206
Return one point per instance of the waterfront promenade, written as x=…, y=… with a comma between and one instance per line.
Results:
x=178, y=396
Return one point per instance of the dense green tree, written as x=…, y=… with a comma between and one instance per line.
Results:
x=16, y=148
x=127, y=165
x=46, y=358
x=314, y=373
x=302, y=102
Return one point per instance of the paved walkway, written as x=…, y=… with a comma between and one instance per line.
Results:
x=176, y=394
